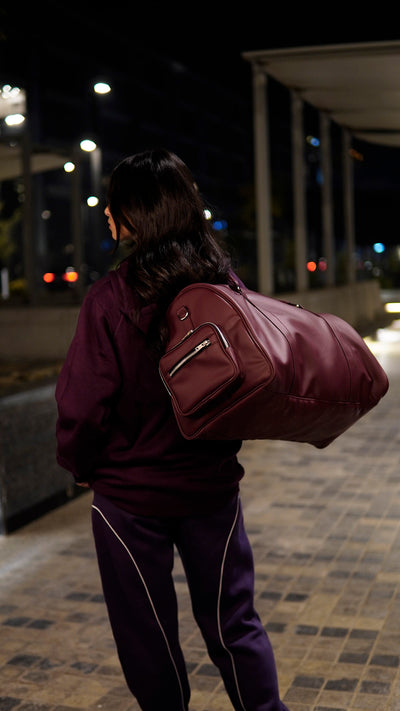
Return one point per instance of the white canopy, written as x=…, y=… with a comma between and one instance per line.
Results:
x=11, y=165
x=357, y=85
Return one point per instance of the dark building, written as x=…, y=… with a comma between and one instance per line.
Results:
x=176, y=81
x=154, y=100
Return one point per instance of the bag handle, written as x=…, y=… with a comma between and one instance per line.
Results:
x=233, y=284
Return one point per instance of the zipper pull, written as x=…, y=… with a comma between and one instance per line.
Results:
x=202, y=345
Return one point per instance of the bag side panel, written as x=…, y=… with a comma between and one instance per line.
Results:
x=369, y=382
x=321, y=370
x=294, y=419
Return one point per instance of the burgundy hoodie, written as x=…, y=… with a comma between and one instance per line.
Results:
x=116, y=429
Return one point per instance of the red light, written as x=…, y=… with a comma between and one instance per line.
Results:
x=48, y=277
x=322, y=265
x=311, y=266
x=70, y=276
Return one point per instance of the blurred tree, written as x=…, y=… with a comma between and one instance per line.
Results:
x=7, y=243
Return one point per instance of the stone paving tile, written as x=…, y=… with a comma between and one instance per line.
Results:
x=325, y=530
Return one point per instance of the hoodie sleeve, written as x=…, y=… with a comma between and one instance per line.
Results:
x=87, y=384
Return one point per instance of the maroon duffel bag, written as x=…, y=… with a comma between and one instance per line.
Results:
x=240, y=365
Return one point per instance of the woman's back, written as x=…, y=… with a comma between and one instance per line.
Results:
x=124, y=439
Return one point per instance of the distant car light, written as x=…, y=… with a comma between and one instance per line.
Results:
x=48, y=277
x=70, y=275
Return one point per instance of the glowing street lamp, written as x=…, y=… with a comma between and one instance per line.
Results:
x=101, y=87
x=12, y=104
x=88, y=145
x=14, y=119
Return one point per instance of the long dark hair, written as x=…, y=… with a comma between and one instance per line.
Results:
x=154, y=197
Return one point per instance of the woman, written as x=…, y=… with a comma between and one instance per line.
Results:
x=153, y=490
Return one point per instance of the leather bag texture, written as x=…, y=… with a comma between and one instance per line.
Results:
x=241, y=365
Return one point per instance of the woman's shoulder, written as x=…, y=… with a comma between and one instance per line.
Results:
x=112, y=290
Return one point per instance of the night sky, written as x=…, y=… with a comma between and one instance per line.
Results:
x=208, y=38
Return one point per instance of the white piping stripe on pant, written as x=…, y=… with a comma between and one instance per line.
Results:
x=149, y=598
x=218, y=607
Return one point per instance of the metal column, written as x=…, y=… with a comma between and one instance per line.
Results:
x=76, y=221
x=348, y=202
x=27, y=220
x=327, y=199
x=299, y=193
x=265, y=257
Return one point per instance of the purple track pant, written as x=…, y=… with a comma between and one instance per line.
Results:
x=136, y=556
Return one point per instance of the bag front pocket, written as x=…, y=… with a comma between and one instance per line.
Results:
x=200, y=369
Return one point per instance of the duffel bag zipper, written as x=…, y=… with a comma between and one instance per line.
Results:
x=206, y=323
x=200, y=347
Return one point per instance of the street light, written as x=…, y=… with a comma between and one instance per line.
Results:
x=14, y=119
x=88, y=145
x=12, y=104
x=101, y=87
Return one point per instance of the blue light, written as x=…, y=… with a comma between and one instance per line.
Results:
x=220, y=225
x=378, y=247
x=106, y=244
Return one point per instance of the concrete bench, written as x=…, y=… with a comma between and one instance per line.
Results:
x=31, y=482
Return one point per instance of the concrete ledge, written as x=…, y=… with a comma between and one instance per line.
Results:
x=31, y=482
x=36, y=332
x=44, y=333
x=359, y=304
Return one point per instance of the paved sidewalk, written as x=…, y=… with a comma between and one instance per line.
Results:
x=325, y=529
